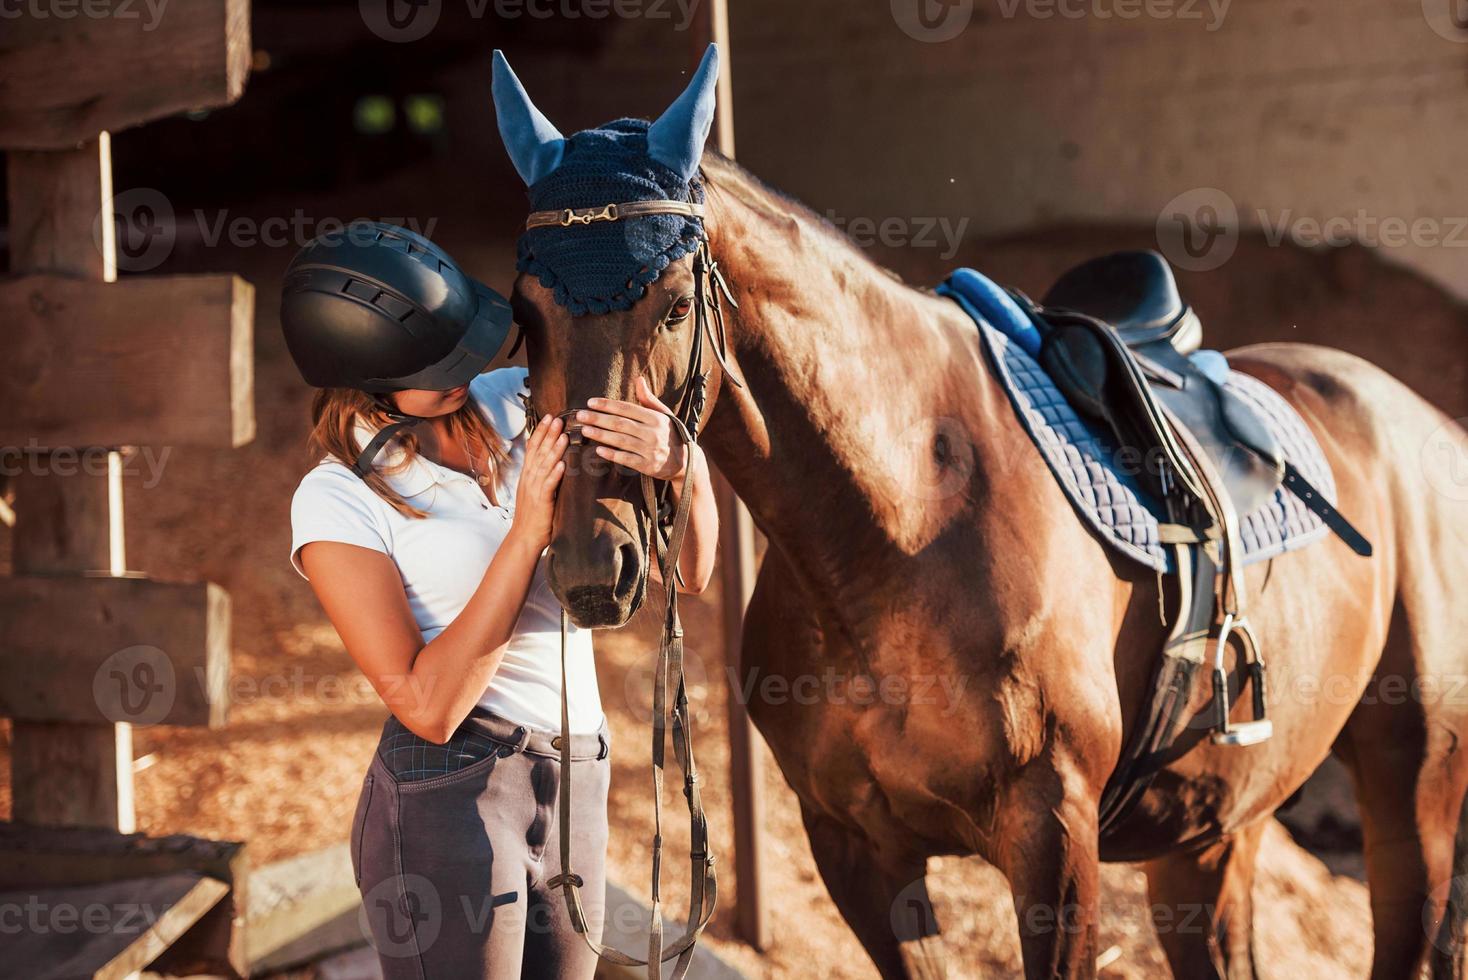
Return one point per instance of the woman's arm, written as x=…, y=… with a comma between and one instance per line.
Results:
x=432, y=687
x=701, y=539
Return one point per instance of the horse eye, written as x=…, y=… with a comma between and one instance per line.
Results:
x=680, y=310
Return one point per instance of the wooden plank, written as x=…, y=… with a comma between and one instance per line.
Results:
x=106, y=650
x=33, y=857
x=106, y=931
x=302, y=908
x=56, y=199
x=73, y=775
x=68, y=525
x=145, y=361
x=65, y=79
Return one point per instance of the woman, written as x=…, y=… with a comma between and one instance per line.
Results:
x=422, y=532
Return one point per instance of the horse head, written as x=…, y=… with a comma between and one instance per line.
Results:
x=614, y=282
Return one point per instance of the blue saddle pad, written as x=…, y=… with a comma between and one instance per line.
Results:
x=1080, y=453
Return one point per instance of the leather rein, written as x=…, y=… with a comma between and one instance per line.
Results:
x=709, y=286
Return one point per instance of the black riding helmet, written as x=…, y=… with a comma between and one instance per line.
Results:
x=381, y=309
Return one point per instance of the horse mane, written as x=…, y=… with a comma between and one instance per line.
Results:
x=724, y=175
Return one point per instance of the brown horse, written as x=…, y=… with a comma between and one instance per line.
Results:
x=920, y=546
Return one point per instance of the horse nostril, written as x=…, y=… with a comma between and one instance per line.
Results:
x=628, y=568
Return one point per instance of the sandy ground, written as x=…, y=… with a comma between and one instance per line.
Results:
x=284, y=774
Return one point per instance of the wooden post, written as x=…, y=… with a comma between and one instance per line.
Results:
x=94, y=365
x=76, y=774
x=737, y=563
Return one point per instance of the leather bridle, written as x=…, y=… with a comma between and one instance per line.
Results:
x=709, y=286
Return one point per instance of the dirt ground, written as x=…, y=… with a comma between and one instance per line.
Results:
x=284, y=774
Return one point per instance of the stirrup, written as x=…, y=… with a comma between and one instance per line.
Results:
x=1249, y=732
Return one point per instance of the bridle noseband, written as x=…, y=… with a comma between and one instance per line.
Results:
x=709, y=288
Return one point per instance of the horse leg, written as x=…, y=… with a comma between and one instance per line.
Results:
x=1049, y=851
x=1202, y=907
x=883, y=898
x=1410, y=780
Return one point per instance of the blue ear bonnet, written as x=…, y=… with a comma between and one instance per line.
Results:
x=607, y=266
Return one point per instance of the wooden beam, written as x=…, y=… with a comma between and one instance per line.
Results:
x=106, y=650
x=68, y=774
x=152, y=361
x=718, y=33
x=34, y=857
x=72, y=775
x=302, y=908
x=105, y=931
x=68, y=526
x=66, y=79
x=56, y=199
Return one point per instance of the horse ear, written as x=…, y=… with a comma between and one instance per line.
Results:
x=535, y=145
x=676, y=139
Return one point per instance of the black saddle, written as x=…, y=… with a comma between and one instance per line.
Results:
x=1116, y=336
x=1136, y=294
x=1116, y=340
x=1131, y=322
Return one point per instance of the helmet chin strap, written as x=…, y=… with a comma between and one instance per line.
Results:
x=400, y=421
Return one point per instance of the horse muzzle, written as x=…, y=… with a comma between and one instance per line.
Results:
x=600, y=580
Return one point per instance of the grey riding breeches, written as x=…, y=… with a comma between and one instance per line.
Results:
x=452, y=846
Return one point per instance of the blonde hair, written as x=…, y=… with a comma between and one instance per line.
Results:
x=334, y=416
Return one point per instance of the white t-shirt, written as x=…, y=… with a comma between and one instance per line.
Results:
x=442, y=558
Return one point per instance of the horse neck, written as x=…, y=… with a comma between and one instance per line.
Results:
x=856, y=439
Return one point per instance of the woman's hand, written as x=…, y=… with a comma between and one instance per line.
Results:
x=535, y=498
x=638, y=436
